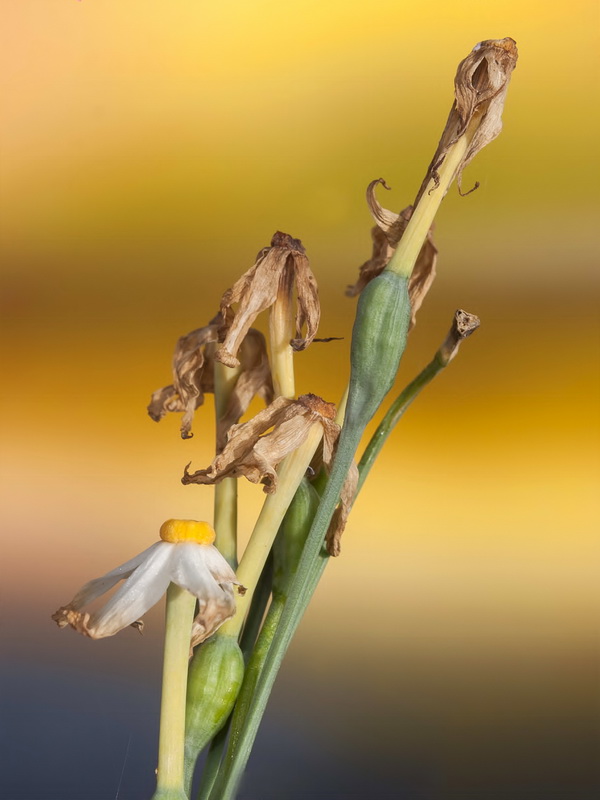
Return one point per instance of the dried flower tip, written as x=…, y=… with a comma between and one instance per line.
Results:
x=282, y=263
x=193, y=376
x=253, y=453
x=480, y=88
x=386, y=236
x=342, y=512
x=463, y=325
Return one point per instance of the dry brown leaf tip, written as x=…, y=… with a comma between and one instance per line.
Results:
x=342, y=512
x=255, y=448
x=386, y=235
x=282, y=263
x=193, y=376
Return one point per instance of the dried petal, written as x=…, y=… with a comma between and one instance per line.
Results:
x=253, y=453
x=387, y=234
x=192, y=377
x=193, y=366
x=254, y=380
x=340, y=515
x=480, y=88
x=257, y=290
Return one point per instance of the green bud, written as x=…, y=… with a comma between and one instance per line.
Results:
x=378, y=341
x=292, y=534
x=214, y=679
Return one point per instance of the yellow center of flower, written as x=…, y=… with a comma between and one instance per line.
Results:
x=186, y=530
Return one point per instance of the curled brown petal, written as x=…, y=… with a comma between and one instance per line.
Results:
x=192, y=377
x=255, y=448
x=258, y=289
x=385, y=238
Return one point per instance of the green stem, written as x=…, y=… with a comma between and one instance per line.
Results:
x=291, y=615
x=225, y=519
x=212, y=764
x=258, y=606
x=179, y=616
x=249, y=707
x=290, y=472
x=245, y=702
x=225, y=505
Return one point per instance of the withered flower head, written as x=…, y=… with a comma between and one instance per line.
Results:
x=386, y=235
x=193, y=363
x=282, y=263
x=480, y=88
x=253, y=453
x=185, y=556
x=463, y=325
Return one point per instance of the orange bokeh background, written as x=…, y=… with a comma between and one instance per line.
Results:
x=149, y=150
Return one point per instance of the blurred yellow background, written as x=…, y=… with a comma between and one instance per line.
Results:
x=149, y=150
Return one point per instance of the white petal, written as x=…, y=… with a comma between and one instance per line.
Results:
x=189, y=570
x=217, y=565
x=216, y=603
x=140, y=592
x=98, y=586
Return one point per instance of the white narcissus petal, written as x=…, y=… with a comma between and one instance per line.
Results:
x=140, y=592
x=218, y=566
x=216, y=603
x=98, y=586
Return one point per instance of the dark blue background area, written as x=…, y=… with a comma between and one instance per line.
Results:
x=70, y=733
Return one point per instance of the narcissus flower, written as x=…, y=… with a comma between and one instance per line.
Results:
x=187, y=557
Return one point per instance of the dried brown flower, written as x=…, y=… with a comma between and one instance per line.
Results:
x=193, y=363
x=253, y=453
x=463, y=325
x=280, y=264
x=480, y=88
x=386, y=235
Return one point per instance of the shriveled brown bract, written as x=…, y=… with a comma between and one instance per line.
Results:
x=254, y=453
x=193, y=363
x=386, y=235
x=282, y=263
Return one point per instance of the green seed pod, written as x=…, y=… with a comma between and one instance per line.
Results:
x=378, y=341
x=214, y=679
x=292, y=534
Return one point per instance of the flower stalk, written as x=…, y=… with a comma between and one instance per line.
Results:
x=405, y=256
x=290, y=474
x=281, y=331
x=179, y=617
x=225, y=499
